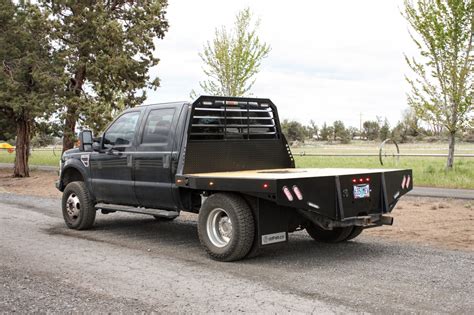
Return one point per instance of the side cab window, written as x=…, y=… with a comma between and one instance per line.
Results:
x=122, y=131
x=158, y=126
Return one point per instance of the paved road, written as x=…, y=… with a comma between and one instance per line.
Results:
x=442, y=193
x=132, y=263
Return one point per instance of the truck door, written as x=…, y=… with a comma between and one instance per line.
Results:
x=154, y=159
x=112, y=180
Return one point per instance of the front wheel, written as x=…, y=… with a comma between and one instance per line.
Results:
x=226, y=227
x=78, y=207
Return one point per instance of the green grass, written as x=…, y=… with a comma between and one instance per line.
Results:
x=427, y=171
x=36, y=157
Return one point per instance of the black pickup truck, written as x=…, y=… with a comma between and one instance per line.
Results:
x=226, y=159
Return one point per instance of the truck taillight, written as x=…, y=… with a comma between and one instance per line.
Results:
x=361, y=180
x=404, y=181
x=408, y=182
x=297, y=192
x=287, y=193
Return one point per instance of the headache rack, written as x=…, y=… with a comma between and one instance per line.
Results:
x=223, y=118
x=234, y=134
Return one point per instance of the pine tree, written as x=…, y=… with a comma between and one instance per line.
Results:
x=29, y=78
x=108, y=47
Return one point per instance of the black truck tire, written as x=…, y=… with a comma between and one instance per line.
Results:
x=78, y=207
x=336, y=235
x=355, y=232
x=226, y=227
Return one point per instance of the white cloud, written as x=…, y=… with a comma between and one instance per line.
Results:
x=330, y=59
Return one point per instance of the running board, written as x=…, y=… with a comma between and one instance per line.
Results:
x=154, y=212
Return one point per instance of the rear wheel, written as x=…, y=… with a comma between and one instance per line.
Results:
x=77, y=205
x=355, y=232
x=336, y=235
x=226, y=227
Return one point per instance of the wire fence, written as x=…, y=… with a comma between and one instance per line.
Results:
x=385, y=155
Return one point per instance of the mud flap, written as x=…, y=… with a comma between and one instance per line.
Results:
x=272, y=223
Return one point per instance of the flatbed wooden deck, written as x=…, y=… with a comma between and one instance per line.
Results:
x=286, y=173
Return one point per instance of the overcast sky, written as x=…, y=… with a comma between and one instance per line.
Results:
x=330, y=60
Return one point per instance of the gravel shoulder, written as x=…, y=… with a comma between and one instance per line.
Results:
x=132, y=263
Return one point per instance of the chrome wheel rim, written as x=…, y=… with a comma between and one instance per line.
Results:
x=73, y=206
x=219, y=227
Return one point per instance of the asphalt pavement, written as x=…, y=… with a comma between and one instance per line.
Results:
x=442, y=193
x=133, y=263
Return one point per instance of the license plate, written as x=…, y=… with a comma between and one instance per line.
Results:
x=361, y=191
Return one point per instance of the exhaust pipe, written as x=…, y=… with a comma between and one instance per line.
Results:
x=386, y=220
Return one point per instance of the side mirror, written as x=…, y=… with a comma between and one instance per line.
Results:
x=85, y=140
x=96, y=145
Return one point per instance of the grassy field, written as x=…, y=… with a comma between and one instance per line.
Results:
x=428, y=171
x=36, y=157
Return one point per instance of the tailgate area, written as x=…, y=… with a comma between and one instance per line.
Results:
x=342, y=197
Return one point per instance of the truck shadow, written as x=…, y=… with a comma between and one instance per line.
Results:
x=179, y=239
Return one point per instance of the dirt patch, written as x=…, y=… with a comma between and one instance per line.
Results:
x=447, y=223
x=40, y=183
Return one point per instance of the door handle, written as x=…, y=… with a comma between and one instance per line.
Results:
x=113, y=152
x=166, y=161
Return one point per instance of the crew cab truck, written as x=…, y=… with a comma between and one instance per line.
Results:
x=226, y=159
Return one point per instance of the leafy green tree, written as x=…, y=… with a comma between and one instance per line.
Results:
x=30, y=74
x=313, y=130
x=345, y=137
x=7, y=126
x=385, y=130
x=408, y=127
x=353, y=132
x=327, y=132
x=233, y=58
x=371, y=130
x=108, y=48
x=443, y=88
x=293, y=130
x=339, y=129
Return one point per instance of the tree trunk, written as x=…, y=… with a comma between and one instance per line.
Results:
x=69, y=128
x=452, y=141
x=23, y=134
x=75, y=86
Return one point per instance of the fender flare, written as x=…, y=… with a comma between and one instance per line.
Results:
x=78, y=166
